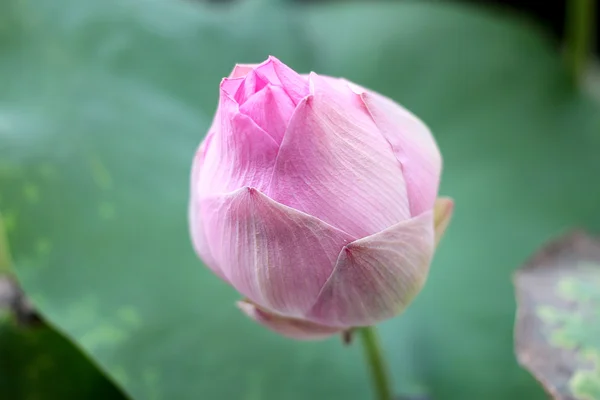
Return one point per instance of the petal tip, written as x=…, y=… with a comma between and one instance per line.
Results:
x=246, y=307
x=252, y=192
x=241, y=70
x=229, y=86
x=308, y=100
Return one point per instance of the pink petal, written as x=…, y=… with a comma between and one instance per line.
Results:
x=289, y=327
x=252, y=84
x=376, y=277
x=240, y=153
x=271, y=109
x=276, y=256
x=414, y=147
x=442, y=213
x=197, y=231
x=231, y=85
x=334, y=164
x=241, y=70
x=277, y=73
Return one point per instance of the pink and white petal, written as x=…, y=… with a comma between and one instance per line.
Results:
x=199, y=239
x=342, y=84
x=196, y=224
x=231, y=85
x=252, y=84
x=241, y=70
x=289, y=327
x=240, y=154
x=413, y=145
x=271, y=109
x=376, y=277
x=442, y=214
x=276, y=256
x=277, y=73
x=334, y=164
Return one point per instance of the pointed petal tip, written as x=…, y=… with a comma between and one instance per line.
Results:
x=252, y=192
x=308, y=100
x=229, y=86
x=359, y=90
x=271, y=59
x=443, y=210
x=313, y=80
x=241, y=70
x=288, y=327
x=227, y=79
x=304, y=102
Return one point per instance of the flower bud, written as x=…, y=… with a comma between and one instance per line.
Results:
x=316, y=200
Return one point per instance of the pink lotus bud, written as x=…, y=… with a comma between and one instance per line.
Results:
x=314, y=198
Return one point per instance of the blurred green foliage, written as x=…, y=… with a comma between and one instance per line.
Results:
x=102, y=104
x=37, y=363
x=5, y=261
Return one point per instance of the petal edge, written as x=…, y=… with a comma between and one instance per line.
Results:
x=274, y=255
x=375, y=278
x=414, y=146
x=289, y=327
x=196, y=224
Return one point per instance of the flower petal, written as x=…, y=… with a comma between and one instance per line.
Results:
x=289, y=327
x=241, y=70
x=196, y=224
x=252, y=84
x=442, y=213
x=414, y=147
x=231, y=85
x=376, y=277
x=240, y=153
x=277, y=73
x=276, y=256
x=271, y=109
x=334, y=164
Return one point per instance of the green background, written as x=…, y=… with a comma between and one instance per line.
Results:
x=102, y=105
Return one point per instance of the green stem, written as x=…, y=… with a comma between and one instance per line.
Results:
x=376, y=362
x=580, y=27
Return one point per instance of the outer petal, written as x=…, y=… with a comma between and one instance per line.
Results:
x=271, y=109
x=376, y=277
x=442, y=213
x=334, y=164
x=240, y=153
x=414, y=147
x=277, y=73
x=197, y=231
x=276, y=256
x=290, y=327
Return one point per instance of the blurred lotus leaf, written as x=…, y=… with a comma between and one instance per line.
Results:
x=558, y=324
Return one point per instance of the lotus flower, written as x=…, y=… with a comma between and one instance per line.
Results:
x=315, y=199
